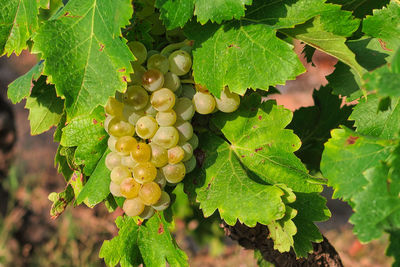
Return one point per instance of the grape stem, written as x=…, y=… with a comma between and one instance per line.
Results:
x=169, y=48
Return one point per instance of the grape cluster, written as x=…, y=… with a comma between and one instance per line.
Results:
x=151, y=135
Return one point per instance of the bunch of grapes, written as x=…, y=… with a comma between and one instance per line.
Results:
x=151, y=135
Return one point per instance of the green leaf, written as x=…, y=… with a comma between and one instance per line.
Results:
x=60, y=201
x=313, y=125
x=150, y=243
x=372, y=122
x=257, y=137
x=377, y=207
x=346, y=156
x=64, y=159
x=282, y=231
x=385, y=25
x=175, y=13
x=394, y=247
x=88, y=135
x=94, y=62
x=18, y=21
x=224, y=184
x=122, y=248
x=97, y=187
x=311, y=207
x=157, y=245
x=361, y=8
x=45, y=108
x=21, y=87
x=241, y=55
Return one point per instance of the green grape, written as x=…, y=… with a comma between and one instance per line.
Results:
x=194, y=141
x=114, y=107
x=178, y=92
x=128, y=161
x=119, y=173
x=180, y=62
x=139, y=51
x=147, y=213
x=174, y=173
x=188, y=149
x=166, y=118
x=158, y=62
x=160, y=179
x=146, y=127
x=132, y=115
x=157, y=28
x=136, y=76
x=150, y=110
x=175, y=154
x=125, y=144
x=150, y=193
x=163, y=202
x=204, y=103
x=188, y=91
x=228, y=101
x=184, y=108
x=115, y=189
x=171, y=81
x=111, y=143
x=190, y=164
x=144, y=172
x=166, y=137
x=152, y=52
x=141, y=153
x=107, y=122
x=133, y=207
x=152, y=80
x=129, y=188
x=112, y=160
x=121, y=128
x=185, y=130
x=159, y=155
x=163, y=99
x=136, y=96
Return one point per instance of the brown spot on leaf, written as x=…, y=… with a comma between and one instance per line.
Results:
x=242, y=156
x=258, y=149
x=69, y=15
x=122, y=70
x=139, y=222
x=260, y=117
x=351, y=140
x=94, y=121
x=102, y=137
x=160, y=229
x=383, y=45
x=101, y=47
x=124, y=79
x=233, y=45
x=209, y=184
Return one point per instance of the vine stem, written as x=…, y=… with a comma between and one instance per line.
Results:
x=256, y=238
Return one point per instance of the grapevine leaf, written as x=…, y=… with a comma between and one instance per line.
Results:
x=88, y=135
x=18, y=21
x=21, y=87
x=360, y=8
x=385, y=25
x=311, y=207
x=346, y=156
x=372, y=217
x=231, y=50
x=45, y=108
x=224, y=184
x=175, y=13
x=97, y=187
x=313, y=125
x=369, y=54
x=63, y=158
x=314, y=34
x=308, y=52
x=394, y=247
x=258, y=138
x=150, y=243
x=282, y=231
x=95, y=60
x=60, y=201
x=370, y=121
x=122, y=248
x=157, y=245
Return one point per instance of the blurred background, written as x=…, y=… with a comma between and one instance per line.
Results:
x=29, y=237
